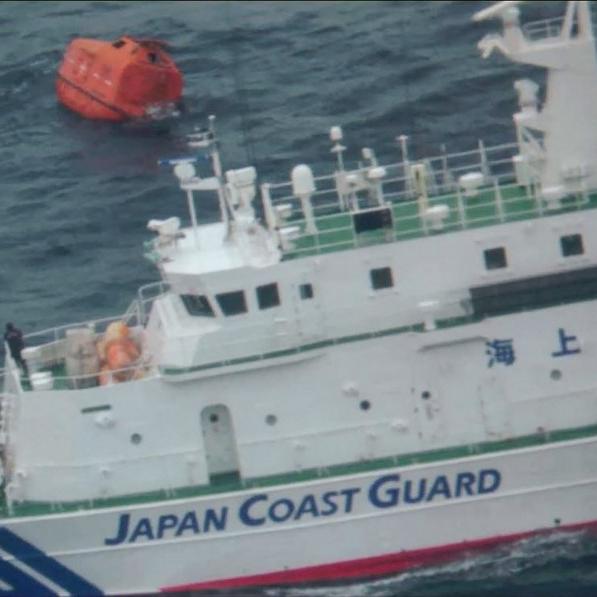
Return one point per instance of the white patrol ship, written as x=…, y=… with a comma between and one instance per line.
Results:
x=394, y=364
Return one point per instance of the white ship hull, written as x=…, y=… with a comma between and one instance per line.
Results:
x=342, y=527
x=394, y=367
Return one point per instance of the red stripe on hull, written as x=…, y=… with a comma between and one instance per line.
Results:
x=375, y=566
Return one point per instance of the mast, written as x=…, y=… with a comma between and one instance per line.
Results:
x=555, y=141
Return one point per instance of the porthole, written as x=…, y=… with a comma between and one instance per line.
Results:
x=365, y=405
x=136, y=438
x=271, y=419
x=425, y=395
x=555, y=374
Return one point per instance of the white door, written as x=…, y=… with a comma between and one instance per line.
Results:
x=495, y=408
x=219, y=440
x=448, y=376
x=308, y=312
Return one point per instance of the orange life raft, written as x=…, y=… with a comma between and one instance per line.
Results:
x=121, y=80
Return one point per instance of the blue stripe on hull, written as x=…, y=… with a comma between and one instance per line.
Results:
x=44, y=565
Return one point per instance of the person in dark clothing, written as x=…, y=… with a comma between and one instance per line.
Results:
x=14, y=338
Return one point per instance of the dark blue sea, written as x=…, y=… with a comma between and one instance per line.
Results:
x=76, y=195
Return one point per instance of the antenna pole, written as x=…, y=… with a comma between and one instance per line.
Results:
x=217, y=168
x=193, y=215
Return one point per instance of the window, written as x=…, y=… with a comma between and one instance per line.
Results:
x=306, y=291
x=381, y=278
x=232, y=303
x=495, y=258
x=197, y=305
x=571, y=244
x=267, y=296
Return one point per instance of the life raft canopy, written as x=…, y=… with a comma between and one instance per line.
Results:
x=129, y=78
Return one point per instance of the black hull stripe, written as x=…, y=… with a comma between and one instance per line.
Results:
x=94, y=98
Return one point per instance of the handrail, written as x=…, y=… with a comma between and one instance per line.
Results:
x=81, y=379
x=543, y=28
x=134, y=310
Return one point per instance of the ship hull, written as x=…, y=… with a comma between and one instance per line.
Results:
x=336, y=528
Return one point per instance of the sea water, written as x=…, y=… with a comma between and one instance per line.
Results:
x=76, y=195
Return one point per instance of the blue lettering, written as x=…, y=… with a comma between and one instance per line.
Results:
x=328, y=500
x=307, y=506
x=408, y=498
x=440, y=487
x=287, y=510
x=244, y=514
x=390, y=496
x=349, y=495
x=188, y=523
x=143, y=529
x=211, y=517
x=165, y=522
x=123, y=529
x=489, y=480
x=464, y=484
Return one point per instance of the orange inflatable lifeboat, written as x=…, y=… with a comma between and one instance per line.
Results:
x=126, y=79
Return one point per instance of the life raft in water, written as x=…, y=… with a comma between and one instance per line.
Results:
x=126, y=79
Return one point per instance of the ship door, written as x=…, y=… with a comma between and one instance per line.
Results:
x=219, y=441
x=495, y=408
x=447, y=378
x=308, y=312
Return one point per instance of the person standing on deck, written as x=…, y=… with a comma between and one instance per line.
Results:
x=14, y=338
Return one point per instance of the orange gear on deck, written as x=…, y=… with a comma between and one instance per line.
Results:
x=126, y=79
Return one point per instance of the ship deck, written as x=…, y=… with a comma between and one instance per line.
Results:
x=391, y=209
x=337, y=231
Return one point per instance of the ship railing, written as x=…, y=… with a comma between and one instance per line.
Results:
x=146, y=295
x=134, y=316
x=549, y=28
x=136, y=371
x=502, y=196
x=51, y=342
x=57, y=334
x=10, y=386
x=52, y=346
x=442, y=174
x=543, y=28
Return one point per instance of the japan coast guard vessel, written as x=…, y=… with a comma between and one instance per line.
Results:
x=396, y=364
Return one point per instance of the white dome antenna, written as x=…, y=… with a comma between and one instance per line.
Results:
x=303, y=186
x=495, y=10
x=336, y=136
x=184, y=171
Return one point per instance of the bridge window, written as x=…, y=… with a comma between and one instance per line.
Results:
x=306, y=291
x=495, y=258
x=267, y=296
x=232, y=303
x=197, y=305
x=381, y=277
x=571, y=244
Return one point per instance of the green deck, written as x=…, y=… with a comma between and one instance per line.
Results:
x=231, y=483
x=492, y=206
